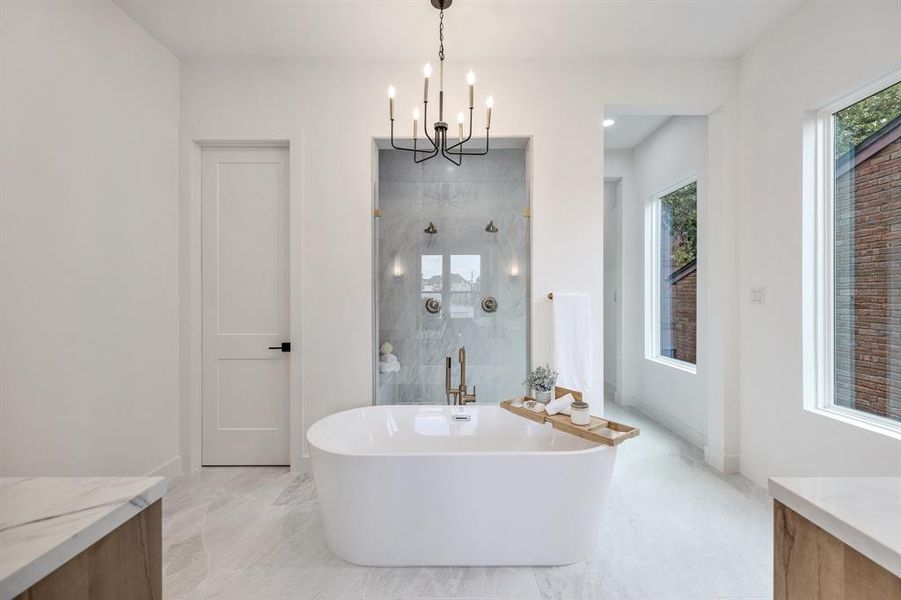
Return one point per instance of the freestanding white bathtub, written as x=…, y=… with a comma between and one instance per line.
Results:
x=412, y=485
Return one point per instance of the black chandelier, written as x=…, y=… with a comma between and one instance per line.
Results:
x=439, y=143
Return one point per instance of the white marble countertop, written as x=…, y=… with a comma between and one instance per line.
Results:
x=45, y=521
x=863, y=512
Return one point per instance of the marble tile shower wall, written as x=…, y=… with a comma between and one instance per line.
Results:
x=458, y=266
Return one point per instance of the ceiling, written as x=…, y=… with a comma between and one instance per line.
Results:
x=631, y=130
x=475, y=29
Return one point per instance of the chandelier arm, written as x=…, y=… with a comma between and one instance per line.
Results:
x=480, y=153
x=431, y=154
x=416, y=151
x=449, y=156
x=446, y=154
x=469, y=137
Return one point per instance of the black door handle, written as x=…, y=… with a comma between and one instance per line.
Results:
x=285, y=347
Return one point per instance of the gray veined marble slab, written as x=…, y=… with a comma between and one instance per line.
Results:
x=45, y=521
x=460, y=265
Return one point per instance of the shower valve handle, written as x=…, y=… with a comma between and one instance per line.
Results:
x=285, y=347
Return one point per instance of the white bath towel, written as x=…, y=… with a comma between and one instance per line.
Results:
x=389, y=364
x=572, y=340
x=560, y=405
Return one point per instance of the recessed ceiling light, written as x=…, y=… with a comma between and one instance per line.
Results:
x=609, y=122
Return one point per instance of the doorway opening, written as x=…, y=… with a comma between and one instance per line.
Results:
x=656, y=194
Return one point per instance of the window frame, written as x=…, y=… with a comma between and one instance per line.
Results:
x=652, y=276
x=819, y=280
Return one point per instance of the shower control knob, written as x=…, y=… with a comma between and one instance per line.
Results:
x=285, y=347
x=489, y=304
x=432, y=306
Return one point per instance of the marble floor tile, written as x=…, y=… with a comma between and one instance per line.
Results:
x=672, y=529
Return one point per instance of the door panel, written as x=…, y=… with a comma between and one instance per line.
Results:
x=250, y=266
x=245, y=306
x=264, y=380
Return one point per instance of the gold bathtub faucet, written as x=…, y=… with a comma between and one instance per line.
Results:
x=459, y=394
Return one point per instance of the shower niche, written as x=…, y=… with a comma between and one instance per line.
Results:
x=452, y=264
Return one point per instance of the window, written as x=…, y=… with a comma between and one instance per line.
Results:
x=465, y=278
x=673, y=275
x=858, y=258
x=431, y=276
x=460, y=290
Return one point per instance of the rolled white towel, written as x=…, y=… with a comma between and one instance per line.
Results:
x=560, y=405
x=389, y=358
x=389, y=367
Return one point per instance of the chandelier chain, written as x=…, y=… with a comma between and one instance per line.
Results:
x=441, y=33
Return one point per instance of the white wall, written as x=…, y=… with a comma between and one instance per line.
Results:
x=819, y=52
x=89, y=351
x=678, y=149
x=332, y=110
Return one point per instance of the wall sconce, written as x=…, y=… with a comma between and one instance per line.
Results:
x=398, y=267
x=514, y=269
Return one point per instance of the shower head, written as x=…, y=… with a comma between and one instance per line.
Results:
x=491, y=227
x=431, y=229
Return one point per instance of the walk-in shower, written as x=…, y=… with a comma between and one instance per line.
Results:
x=451, y=271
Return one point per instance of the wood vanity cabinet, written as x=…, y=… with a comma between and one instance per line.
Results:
x=125, y=564
x=812, y=564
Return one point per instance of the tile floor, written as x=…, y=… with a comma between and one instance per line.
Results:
x=673, y=529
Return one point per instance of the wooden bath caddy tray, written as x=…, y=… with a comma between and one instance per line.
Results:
x=599, y=430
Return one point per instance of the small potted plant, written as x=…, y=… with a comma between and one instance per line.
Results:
x=542, y=381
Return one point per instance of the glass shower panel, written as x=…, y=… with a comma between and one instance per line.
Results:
x=430, y=287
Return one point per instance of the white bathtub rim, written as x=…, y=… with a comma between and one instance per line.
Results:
x=326, y=448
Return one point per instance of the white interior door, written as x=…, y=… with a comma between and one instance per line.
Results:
x=245, y=306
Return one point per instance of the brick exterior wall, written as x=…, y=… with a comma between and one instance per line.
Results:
x=685, y=318
x=868, y=284
x=679, y=316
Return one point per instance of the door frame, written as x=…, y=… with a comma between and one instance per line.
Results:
x=191, y=296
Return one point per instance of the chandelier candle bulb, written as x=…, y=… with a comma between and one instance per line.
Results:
x=427, y=71
x=415, y=122
x=471, y=80
x=489, y=103
x=460, y=124
x=391, y=93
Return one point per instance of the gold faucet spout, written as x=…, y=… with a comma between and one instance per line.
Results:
x=459, y=394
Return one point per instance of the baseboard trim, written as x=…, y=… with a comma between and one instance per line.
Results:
x=623, y=400
x=304, y=465
x=732, y=463
x=755, y=471
x=688, y=434
x=728, y=464
x=168, y=469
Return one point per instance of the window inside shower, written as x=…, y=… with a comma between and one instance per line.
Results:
x=451, y=270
